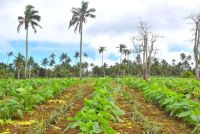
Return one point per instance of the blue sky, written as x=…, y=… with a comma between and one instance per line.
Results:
x=40, y=50
x=115, y=23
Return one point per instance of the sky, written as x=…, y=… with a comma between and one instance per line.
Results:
x=115, y=23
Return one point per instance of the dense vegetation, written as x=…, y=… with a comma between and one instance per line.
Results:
x=174, y=95
x=108, y=104
x=49, y=68
x=17, y=96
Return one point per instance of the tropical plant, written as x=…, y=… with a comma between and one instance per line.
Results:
x=121, y=48
x=78, y=19
x=45, y=62
x=52, y=61
x=31, y=18
x=65, y=59
x=85, y=55
x=19, y=64
x=97, y=112
x=101, y=50
x=31, y=63
x=9, y=54
x=76, y=55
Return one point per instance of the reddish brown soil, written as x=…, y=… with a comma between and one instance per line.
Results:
x=43, y=111
x=59, y=127
x=128, y=126
x=155, y=113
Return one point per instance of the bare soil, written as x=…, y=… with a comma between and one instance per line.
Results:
x=155, y=113
x=128, y=126
x=61, y=124
x=41, y=112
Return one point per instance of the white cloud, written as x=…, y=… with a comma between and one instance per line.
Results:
x=115, y=23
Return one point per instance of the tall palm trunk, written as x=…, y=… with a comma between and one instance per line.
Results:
x=81, y=34
x=25, y=71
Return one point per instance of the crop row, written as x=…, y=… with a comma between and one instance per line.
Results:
x=181, y=85
x=177, y=105
x=99, y=111
x=24, y=96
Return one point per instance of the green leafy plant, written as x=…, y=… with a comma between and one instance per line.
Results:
x=97, y=112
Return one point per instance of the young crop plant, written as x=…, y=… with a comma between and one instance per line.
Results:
x=98, y=112
x=176, y=104
x=24, y=95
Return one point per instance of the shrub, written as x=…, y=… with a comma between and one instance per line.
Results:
x=187, y=74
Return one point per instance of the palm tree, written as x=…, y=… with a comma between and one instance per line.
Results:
x=52, y=56
x=31, y=18
x=85, y=55
x=64, y=59
x=19, y=63
x=127, y=52
x=182, y=56
x=9, y=55
x=76, y=56
x=52, y=60
x=121, y=50
x=45, y=62
x=173, y=62
x=31, y=62
x=101, y=50
x=78, y=18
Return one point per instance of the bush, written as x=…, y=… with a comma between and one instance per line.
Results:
x=187, y=74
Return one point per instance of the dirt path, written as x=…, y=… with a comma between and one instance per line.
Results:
x=46, y=111
x=154, y=113
x=61, y=124
x=128, y=126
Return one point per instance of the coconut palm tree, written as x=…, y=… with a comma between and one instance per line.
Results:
x=52, y=56
x=9, y=54
x=64, y=59
x=76, y=56
x=85, y=55
x=101, y=50
x=45, y=62
x=31, y=18
x=127, y=52
x=78, y=19
x=52, y=60
x=31, y=62
x=121, y=48
x=19, y=63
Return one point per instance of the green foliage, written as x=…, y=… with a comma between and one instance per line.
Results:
x=17, y=96
x=97, y=112
x=187, y=74
x=176, y=104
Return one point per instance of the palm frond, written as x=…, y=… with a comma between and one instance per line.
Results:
x=35, y=17
x=91, y=10
x=20, y=18
x=19, y=26
x=90, y=15
x=76, y=27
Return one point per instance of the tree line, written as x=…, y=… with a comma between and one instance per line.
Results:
x=145, y=63
x=64, y=68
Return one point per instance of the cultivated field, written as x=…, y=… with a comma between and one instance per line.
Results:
x=101, y=105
